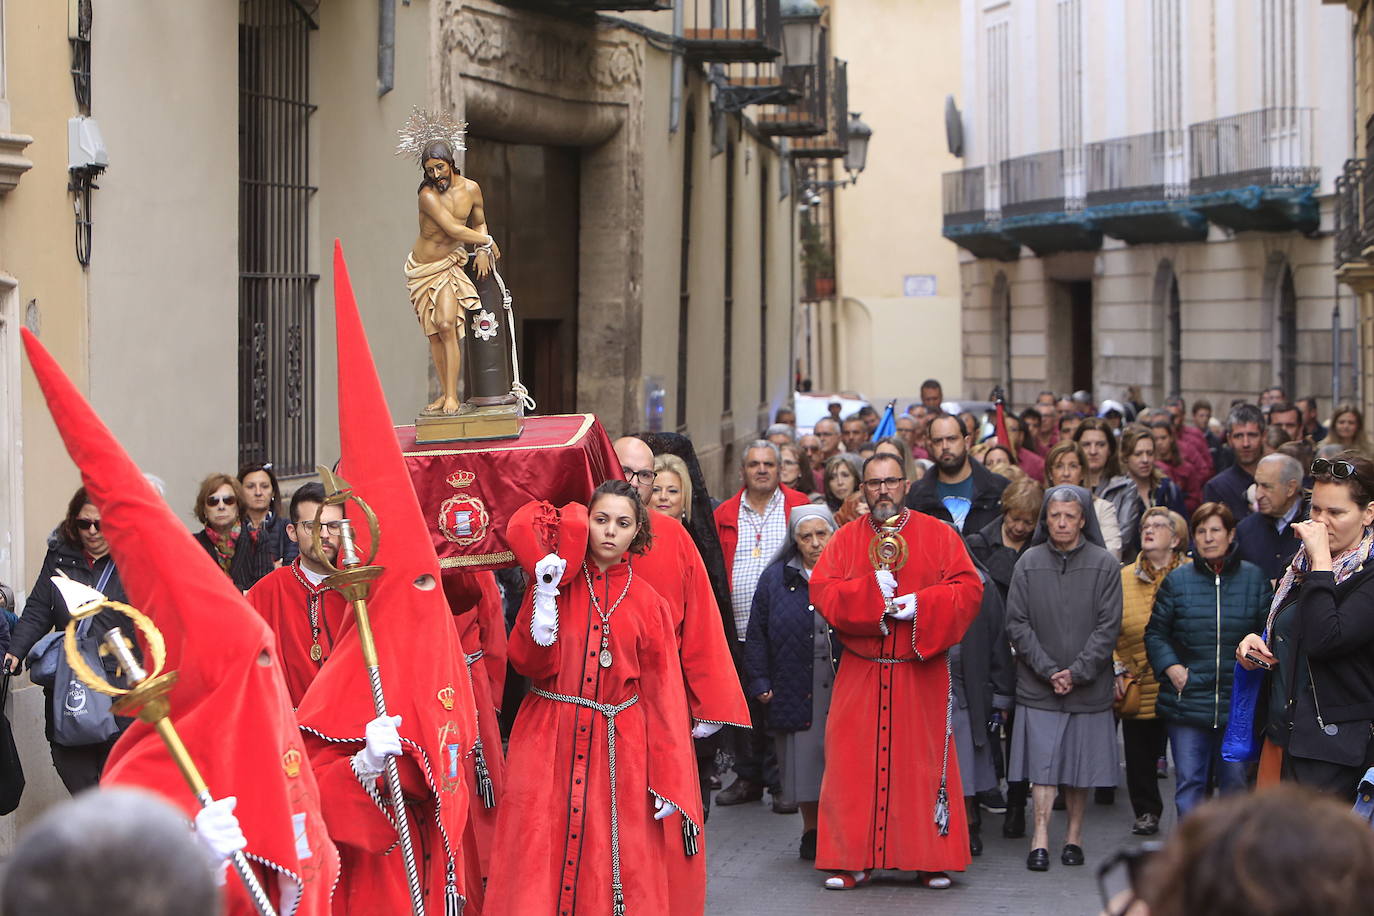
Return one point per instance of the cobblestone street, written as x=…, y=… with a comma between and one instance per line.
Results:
x=754, y=869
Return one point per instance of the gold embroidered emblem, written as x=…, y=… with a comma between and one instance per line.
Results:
x=446, y=697
x=291, y=763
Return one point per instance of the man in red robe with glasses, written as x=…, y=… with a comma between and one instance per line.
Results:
x=305, y=615
x=891, y=770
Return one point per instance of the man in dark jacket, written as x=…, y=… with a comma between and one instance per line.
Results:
x=1063, y=618
x=1266, y=538
x=984, y=682
x=1245, y=436
x=961, y=491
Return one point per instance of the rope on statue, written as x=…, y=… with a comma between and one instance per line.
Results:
x=610, y=712
x=517, y=387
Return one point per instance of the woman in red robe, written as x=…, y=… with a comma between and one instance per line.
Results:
x=606, y=708
x=884, y=803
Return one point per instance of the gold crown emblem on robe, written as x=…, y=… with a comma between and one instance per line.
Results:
x=446, y=697
x=460, y=479
x=291, y=763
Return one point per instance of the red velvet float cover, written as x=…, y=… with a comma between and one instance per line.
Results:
x=424, y=675
x=230, y=703
x=468, y=492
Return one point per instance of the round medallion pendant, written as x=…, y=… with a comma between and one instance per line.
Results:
x=316, y=652
x=606, y=658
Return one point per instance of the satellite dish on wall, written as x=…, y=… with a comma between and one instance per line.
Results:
x=954, y=127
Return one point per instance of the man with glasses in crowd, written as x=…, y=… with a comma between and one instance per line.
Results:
x=305, y=615
x=752, y=525
x=827, y=430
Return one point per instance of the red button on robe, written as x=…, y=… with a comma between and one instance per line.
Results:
x=553, y=836
x=885, y=736
x=282, y=597
x=674, y=568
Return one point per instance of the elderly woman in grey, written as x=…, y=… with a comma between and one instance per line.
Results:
x=1063, y=617
x=790, y=660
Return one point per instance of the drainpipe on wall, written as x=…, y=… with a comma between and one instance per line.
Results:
x=386, y=46
x=675, y=93
x=1335, y=355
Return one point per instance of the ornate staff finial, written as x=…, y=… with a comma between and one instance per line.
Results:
x=423, y=128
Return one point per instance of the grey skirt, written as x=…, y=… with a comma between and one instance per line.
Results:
x=976, y=770
x=1075, y=749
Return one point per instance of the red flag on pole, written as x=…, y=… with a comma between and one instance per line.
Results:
x=423, y=672
x=230, y=704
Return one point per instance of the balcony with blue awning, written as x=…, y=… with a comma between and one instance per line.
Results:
x=1256, y=171
x=1137, y=189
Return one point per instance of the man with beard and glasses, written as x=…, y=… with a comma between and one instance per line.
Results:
x=304, y=615
x=891, y=790
x=435, y=278
x=961, y=491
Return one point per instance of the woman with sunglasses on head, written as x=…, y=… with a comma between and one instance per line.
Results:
x=1316, y=705
x=78, y=550
x=240, y=549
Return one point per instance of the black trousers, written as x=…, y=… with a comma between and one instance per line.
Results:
x=1333, y=778
x=79, y=767
x=755, y=759
x=1145, y=741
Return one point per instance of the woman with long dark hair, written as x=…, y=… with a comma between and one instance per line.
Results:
x=262, y=510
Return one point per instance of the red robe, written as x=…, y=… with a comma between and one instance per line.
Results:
x=283, y=598
x=886, y=734
x=675, y=570
x=476, y=603
x=553, y=837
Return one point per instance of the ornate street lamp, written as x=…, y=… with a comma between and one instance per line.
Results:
x=801, y=32
x=856, y=157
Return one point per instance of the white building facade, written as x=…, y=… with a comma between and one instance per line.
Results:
x=1147, y=197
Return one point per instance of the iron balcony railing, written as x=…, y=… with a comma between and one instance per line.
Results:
x=1041, y=182
x=1144, y=167
x=964, y=196
x=834, y=143
x=809, y=115
x=1268, y=147
x=1354, y=224
x=732, y=30
x=616, y=5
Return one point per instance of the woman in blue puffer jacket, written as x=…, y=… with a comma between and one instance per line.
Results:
x=790, y=658
x=1202, y=611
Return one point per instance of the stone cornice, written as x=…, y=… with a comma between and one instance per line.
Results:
x=13, y=163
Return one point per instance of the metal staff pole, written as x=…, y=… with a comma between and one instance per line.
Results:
x=353, y=579
x=147, y=696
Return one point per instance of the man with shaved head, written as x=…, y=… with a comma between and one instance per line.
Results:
x=1266, y=537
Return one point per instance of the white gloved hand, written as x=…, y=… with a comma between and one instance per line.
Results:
x=548, y=572
x=705, y=729
x=663, y=808
x=906, y=607
x=887, y=583
x=220, y=833
x=383, y=741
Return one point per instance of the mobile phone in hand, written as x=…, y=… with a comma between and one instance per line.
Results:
x=1255, y=659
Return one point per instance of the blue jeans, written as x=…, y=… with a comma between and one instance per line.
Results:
x=1197, y=755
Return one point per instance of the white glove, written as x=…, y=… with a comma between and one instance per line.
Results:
x=663, y=808
x=906, y=607
x=887, y=583
x=383, y=741
x=220, y=833
x=705, y=729
x=548, y=572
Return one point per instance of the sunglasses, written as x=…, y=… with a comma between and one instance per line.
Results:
x=88, y=524
x=1341, y=470
x=213, y=501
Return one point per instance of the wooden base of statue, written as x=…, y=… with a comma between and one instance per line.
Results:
x=496, y=421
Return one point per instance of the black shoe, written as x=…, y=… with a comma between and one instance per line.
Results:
x=1073, y=855
x=975, y=843
x=739, y=792
x=1146, y=825
x=1104, y=795
x=1038, y=860
x=781, y=807
x=992, y=800
x=1014, y=827
x=808, y=846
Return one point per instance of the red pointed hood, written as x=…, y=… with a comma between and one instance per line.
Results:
x=231, y=709
x=422, y=666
